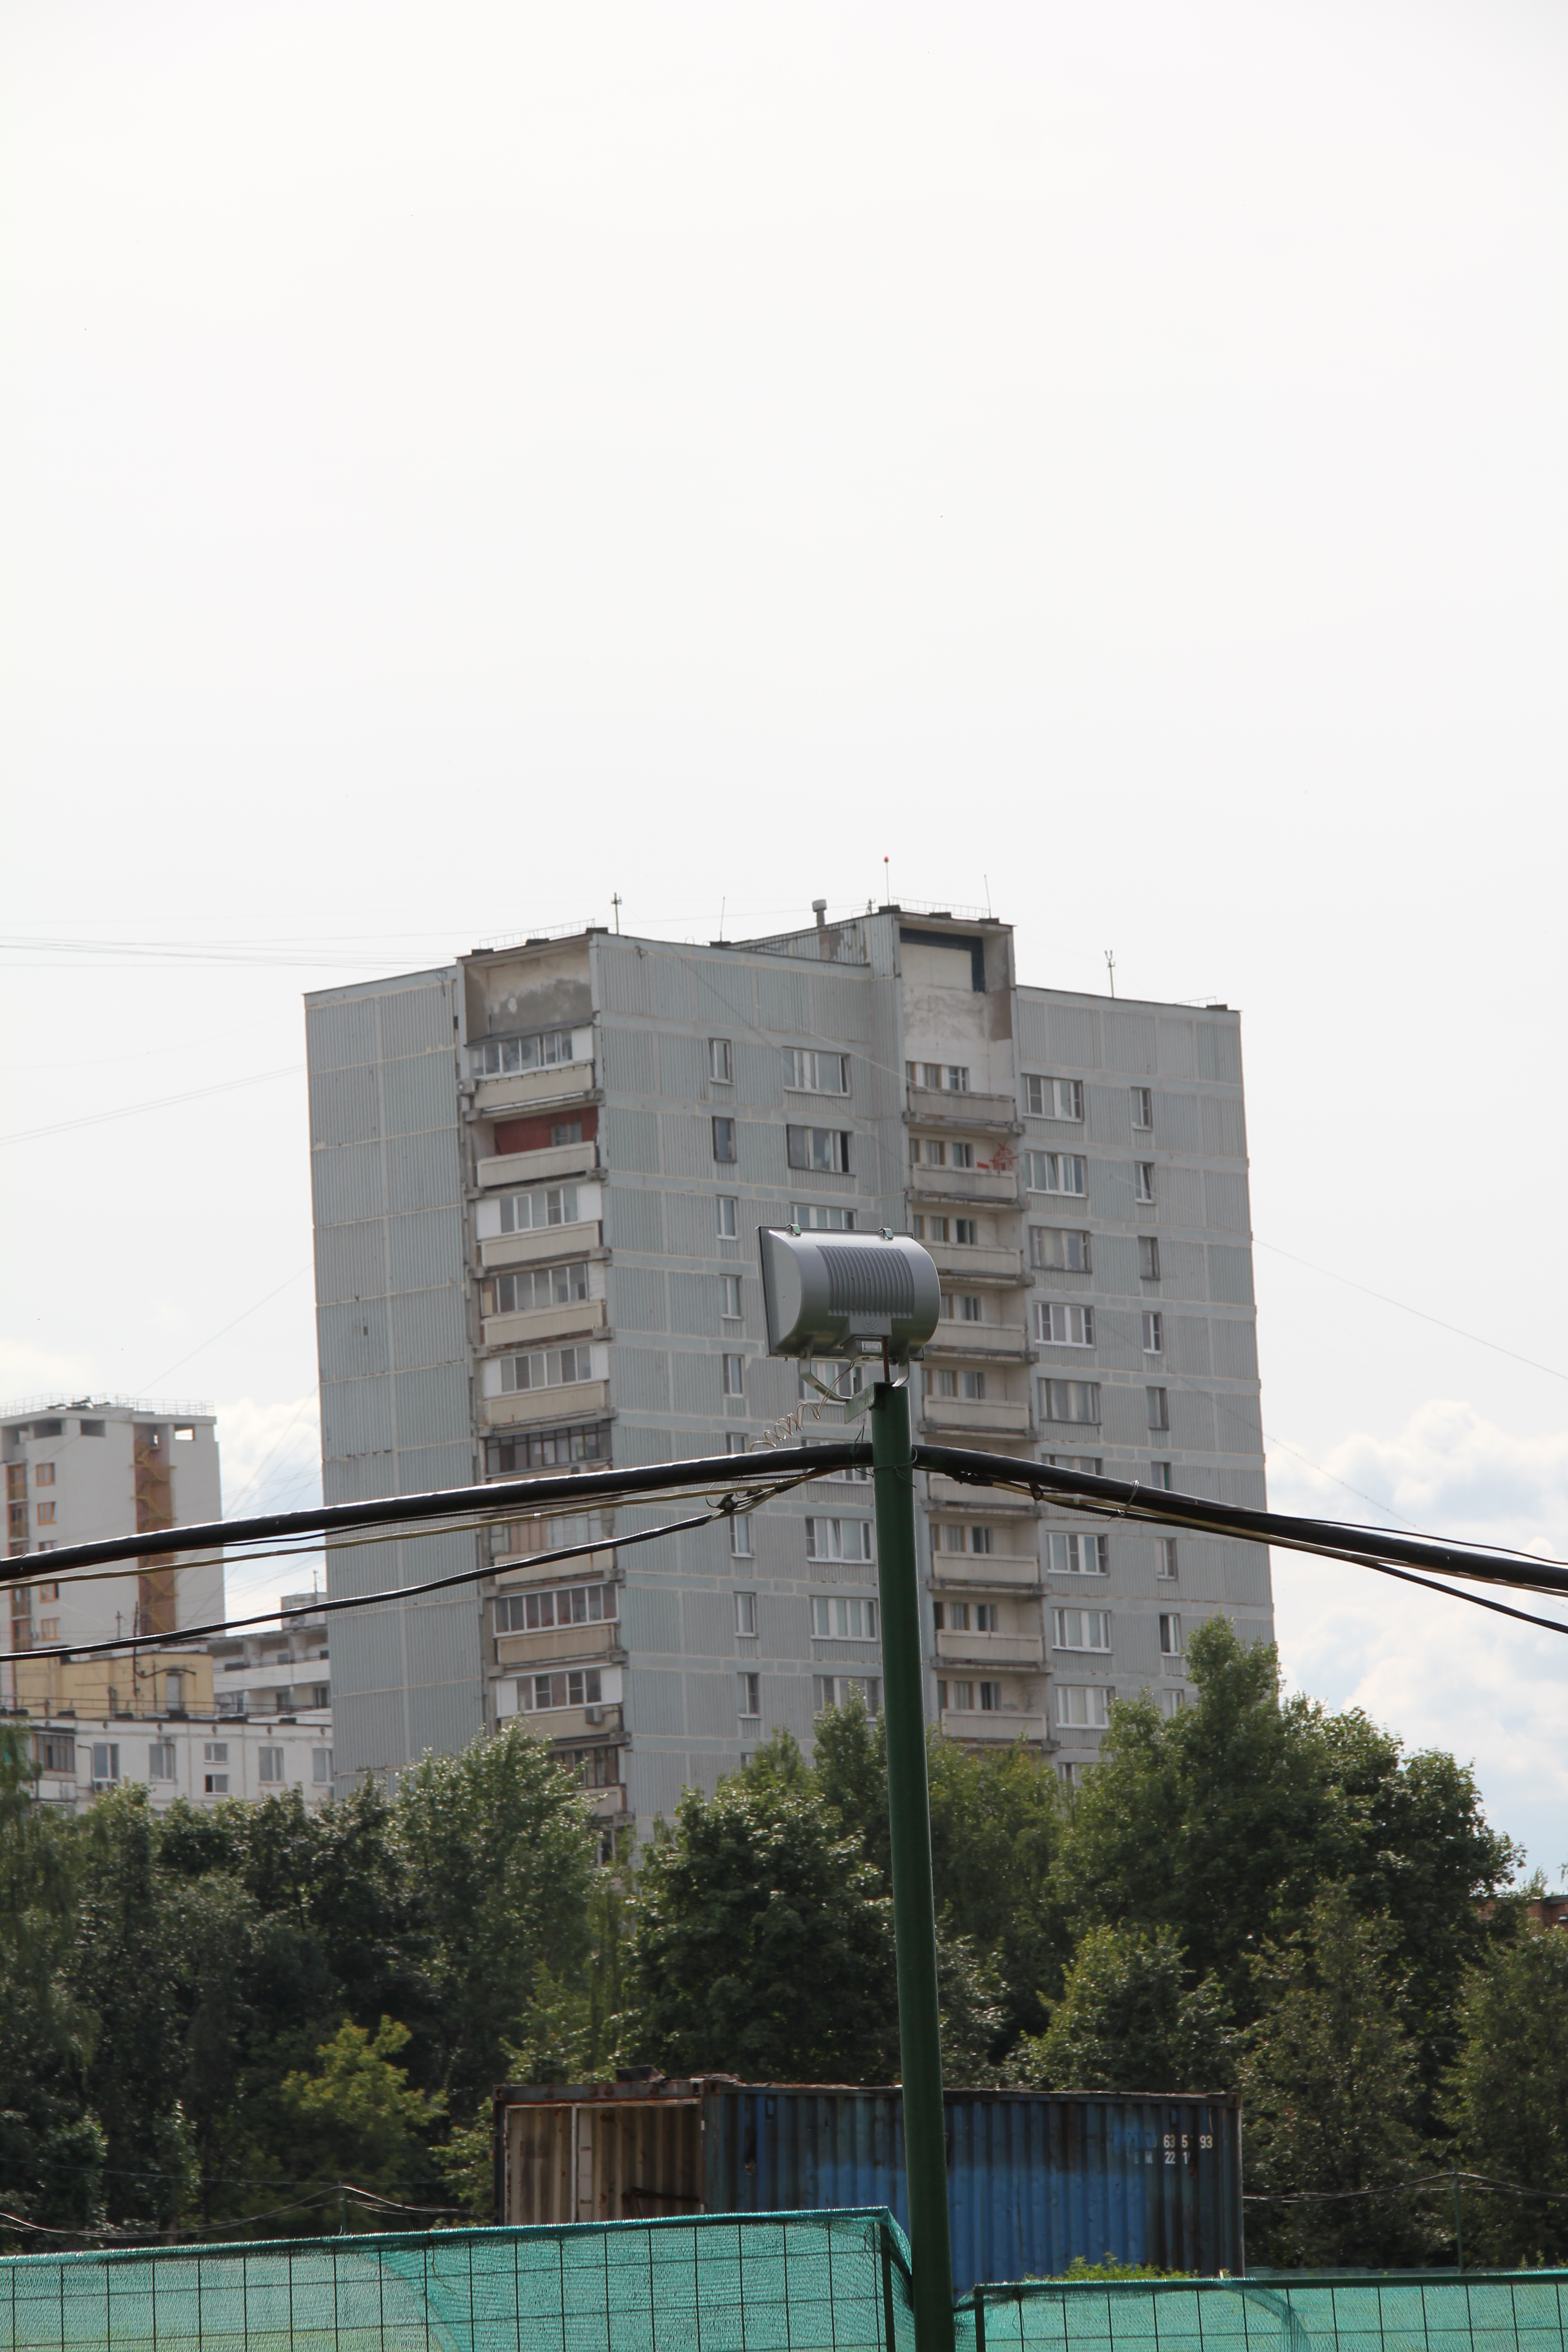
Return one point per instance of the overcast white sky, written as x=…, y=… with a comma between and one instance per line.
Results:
x=459, y=462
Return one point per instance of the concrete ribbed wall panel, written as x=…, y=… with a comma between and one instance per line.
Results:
x=1192, y=1424
x=422, y=1469
x=687, y=1145
x=351, y=1262
x=631, y=1141
x=674, y=989
x=709, y=1619
x=725, y=991
x=432, y=1406
x=691, y=1222
x=1115, y=1268
x=755, y=1214
x=694, y=1302
x=1109, y=1195
x=1177, y=1055
x=1072, y=1033
x=1224, y=1202
x=337, y=1036
x=443, y=1717
x=420, y=1094
x=841, y=1008
x=1246, y=1575
x=1224, y=1127
x=1136, y=1636
x=772, y=1388
x=424, y=1250
x=353, y=1340
x=1108, y=1120
x=626, y=979
x=367, y=1652
x=638, y=1443
x=640, y=1378
x=424, y=1171
x=415, y=1019
x=356, y=1417
x=1229, y=1274
x=1130, y=1043
x=759, y=1075
x=356, y=1568
x=783, y=1003
x=683, y=1066
x=1178, y=1126
x=1124, y=1421
x=712, y=1706
x=650, y=1616
x=1178, y=1196
x=1238, y=1424
x=345, y=1106
x=428, y=1326
x=1187, y=1342
x=786, y=1704
x=1249, y=1488
x=638, y=1301
x=655, y=1780
x=1183, y=1269
x=656, y=1699
x=366, y=1725
x=1218, y=1056
x=359, y=1477
x=347, y=1183
x=694, y=1383
x=1234, y=1348
x=443, y=1639
x=629, y=1061
x=1034, y=1040
x=634, y=1219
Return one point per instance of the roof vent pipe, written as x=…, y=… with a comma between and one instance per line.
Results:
x=819, y=908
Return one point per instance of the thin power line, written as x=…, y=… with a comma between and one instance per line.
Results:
x=161, y=1102
x=1406, y=1308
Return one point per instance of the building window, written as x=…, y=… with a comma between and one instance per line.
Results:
x=825, y=1148
x=734, y=1376
x=214, y=1784
x=1148, y=1258
x=815, y=1217
x=980, y=1539
x=541, y=1285
x=1142, y=1179
x=1081, y=1629
x=1170, y=1634
x=740, y=1535
x=215, y=1753
x=105, y=1763
x=548, y=1449
x=963, y=1307
x=840, y=1690
x=543, y=1693
x=1056, y=1171
x=959, y=1695
x=725, y=1141
x=721, y=1062
x=1070, y=1400
x=575, y=1604
x=1064, y=1326
x=929, y=1229
x=48, y=1592
x=269, y=1764
x=1090, y=1465
x=1159, y=1408
x=49, y=1628
x=543, y=1205
x=729, y=1308
x=941, y=1077
x=321, y=1766
x=321, y=1694
x=45, y=1514
x=54, y=1751
x=965, y=1231
x=750, y=1694
x=1171, y=1702
x=1165, y=1559
x=963, y=1155
x=1160, y=1476
x=1060, y=1251
x=837, y=1617
x=729, y=1216
x=553, y=1368
x=1082, y=1707
x=504, y=1057
x=746, y=1613
x=838, y=1539
x=1055, y=1098
x=43, y=1474
x=1143, y=1107
x=1078, y=1555
x=806, y=1072
x=1070, y=1776
x=92, y=1428
x=1153, y=1332
x=990, y=1698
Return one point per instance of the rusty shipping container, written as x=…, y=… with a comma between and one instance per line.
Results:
x=1035, y=2177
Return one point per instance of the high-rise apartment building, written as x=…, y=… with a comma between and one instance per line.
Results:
x=539, y=1177
x=81, y=1471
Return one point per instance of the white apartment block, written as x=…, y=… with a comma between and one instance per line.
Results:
x=80, y=1757
x=83, y=1470
x=539, y=1176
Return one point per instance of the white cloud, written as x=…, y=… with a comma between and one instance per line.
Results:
x=1440, y=1672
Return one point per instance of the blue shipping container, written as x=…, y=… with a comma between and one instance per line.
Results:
x=1036, y=2178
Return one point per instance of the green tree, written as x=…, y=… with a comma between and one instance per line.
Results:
x=1508, y=2096
x=1128, y=2021
x=356, y=2118
x=1330, y=2081
x=760, y=1942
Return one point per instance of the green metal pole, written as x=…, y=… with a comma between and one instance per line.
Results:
x=914, y=1907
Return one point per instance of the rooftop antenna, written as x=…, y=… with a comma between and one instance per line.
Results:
x=887, y=885
x=986, y=879
x=615, y=903
x=1111, y=968
x=722, y=904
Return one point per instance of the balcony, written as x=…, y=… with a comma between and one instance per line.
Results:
x=978, y=1262
x=566, y=1082
x=979, y=1728
x=535, y=1167
x=990, y=1114
x=991, y=1653
x=966, y=1186
x=562, y=1646
x=544, y=1241
x=994, y=1571
x=575, y=1317
x=954, y=1494
x=980, y=1343
x=575, y=1401
x=569, y=1723
x=974, y=1419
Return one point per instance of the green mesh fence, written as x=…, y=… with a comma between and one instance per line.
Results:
x=764, y=2283
x=1485, y=2311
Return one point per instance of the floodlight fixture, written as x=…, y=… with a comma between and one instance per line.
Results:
x=847, y=1294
